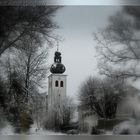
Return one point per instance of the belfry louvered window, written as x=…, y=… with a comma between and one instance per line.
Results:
x=56, y=83
x=61, y=84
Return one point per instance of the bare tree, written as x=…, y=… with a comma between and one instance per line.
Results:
x=38, y=107
x=68, y=111
x=17, y=111
x=101, y=97
x=26, y=70
x=119, y=44
x=30, y=62
x=17, y=22
x=62, y=116
x=23, y=33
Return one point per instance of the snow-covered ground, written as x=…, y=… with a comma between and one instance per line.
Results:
x=8, y=130
x=108, y=133
x=43, y=132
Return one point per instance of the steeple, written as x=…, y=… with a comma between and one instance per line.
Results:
x=57, y=91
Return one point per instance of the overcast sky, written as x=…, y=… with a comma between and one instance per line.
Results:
x=77, y=23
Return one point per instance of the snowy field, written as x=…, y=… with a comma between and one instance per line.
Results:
x=8, y=130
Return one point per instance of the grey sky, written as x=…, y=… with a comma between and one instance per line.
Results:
x=77, y=23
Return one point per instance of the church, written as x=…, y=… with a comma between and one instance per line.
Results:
x=57, y=82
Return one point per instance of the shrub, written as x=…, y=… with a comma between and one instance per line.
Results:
x=95, y=131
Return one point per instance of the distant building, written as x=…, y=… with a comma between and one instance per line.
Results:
x=56, y=91
x=128, y=105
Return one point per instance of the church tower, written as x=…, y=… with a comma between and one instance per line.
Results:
x=56, y=91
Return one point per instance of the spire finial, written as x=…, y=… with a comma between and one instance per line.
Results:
x=57, y=45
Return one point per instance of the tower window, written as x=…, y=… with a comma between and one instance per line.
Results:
x=61, y=84
x=56, y=83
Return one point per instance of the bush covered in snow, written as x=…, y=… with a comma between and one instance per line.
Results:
x=131, y=126
x=96, y=131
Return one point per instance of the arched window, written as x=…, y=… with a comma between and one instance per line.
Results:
x=61, y=84
x=56, y=83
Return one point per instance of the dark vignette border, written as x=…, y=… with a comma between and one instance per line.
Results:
x=67, y=2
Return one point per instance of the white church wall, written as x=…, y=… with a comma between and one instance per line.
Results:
x=56, y=96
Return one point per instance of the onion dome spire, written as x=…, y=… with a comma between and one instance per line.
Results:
x=57, y=67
